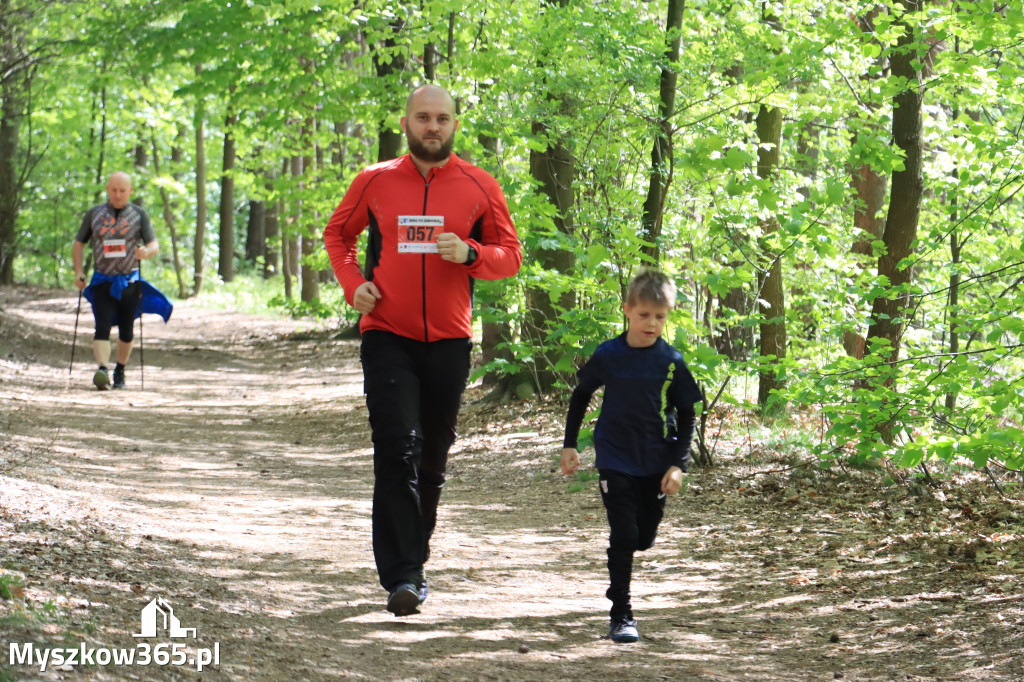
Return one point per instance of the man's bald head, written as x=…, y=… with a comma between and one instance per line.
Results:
x=429, y=125
x=119, y=189
x=434, y=94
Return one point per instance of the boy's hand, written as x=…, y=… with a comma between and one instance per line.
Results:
x=571, y=461
x=671, y=482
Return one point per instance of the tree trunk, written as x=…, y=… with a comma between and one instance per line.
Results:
x=661, y=151
x=308, y=224
x=869, y=197
x=310, y=277
x=291, y=241
x=430, y=62
x=103, y=143
x=255, y=232
x=493, y=333
x=554, y=170
x=735, y=340
x=887, y=312
x=140, y=163
x=869, y=188
x=771, y=299
x=169, y=221
x=953, y=305
x=11, y=103
x=226, y=264
x=389, y=142
x=199, y=248
x=271, y=262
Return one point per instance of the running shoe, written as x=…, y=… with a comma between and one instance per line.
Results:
x=623, y=630
x=404, y=600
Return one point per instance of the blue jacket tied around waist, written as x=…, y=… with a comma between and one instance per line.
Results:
x=153, y=300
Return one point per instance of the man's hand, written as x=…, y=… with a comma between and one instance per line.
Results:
x=672, y=481
x=141, y=252
x=80, y=280
x=366, y=297
x=570, y=461
x=451, y=248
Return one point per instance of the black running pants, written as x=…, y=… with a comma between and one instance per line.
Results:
x=413, y=393
x=635, y=506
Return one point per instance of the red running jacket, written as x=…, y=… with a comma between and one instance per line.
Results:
x=422, y=297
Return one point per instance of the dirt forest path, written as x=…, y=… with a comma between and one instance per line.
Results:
x=236, y=487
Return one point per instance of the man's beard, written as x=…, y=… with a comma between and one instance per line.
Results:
x=422, y=152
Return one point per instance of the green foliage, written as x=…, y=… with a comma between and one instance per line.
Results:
x=301, y=78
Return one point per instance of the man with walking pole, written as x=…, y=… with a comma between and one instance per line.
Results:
x=122, y=237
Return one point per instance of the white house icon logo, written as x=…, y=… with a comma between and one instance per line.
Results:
x=171, y=623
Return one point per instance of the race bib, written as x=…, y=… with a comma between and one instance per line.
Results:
x=115, y=248
x=418, y=233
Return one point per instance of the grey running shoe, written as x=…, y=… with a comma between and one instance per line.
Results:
x=623, y=630
x=404, y=600
x=101, y=379
x=118, y=377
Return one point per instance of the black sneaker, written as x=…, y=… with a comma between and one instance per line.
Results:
x=623, y=631
x=101, y=379
x=424, y=591
x=404, y=600
x=118, y=377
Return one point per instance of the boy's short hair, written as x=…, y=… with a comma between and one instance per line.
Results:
x=652, y=286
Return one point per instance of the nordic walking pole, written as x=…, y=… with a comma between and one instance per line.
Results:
x=142, y=345
x=74, y=338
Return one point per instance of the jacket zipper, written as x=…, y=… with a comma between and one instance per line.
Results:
x=423, y=269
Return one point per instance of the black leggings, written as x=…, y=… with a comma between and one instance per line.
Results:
x=413, y=391
x=635, y=507
x=106, y=309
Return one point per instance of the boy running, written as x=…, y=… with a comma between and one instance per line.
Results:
x=643, y=434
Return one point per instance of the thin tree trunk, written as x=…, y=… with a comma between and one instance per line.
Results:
x=955, y=248
x=292, y=243
x=953, y=306
x=271, y=263
x=103, y=142
x=493, y=333
x=661, y=151
x=141, y=160
x=199, y=248
x=226, y=263
x=308, y=224
x=169, y=221
x=771, y=300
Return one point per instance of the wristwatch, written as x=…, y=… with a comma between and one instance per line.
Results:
x=471, y=256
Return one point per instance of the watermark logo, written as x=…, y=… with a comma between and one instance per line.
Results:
x=157, y=615
x=171, y=624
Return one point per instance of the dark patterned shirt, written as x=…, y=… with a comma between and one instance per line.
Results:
x=115, y=234
x=647, y=414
